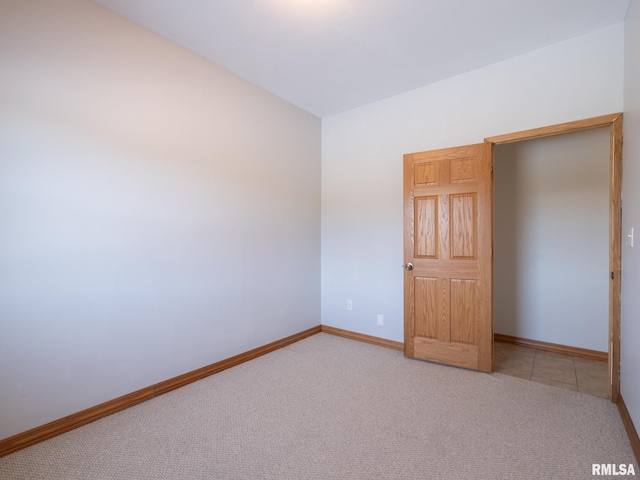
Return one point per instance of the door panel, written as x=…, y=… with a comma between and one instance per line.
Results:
x=427, y=311
x=463, y=310
x=448, y=229
x=426, y=222
x=463, y=220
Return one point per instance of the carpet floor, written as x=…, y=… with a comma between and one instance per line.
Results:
x=332, y=408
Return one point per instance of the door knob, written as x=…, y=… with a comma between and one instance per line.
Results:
x=408, y=266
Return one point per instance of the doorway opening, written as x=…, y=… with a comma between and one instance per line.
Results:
x=557, y=254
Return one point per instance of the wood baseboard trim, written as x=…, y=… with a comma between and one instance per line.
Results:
x=52, y=429
x=361, y=337
x=631, y=429
x=552, y=347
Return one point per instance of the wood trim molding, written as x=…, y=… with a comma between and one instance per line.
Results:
x=552, y=347
x=49, y=430
x=361, y=337
x=631, y=429
x=615, y=253
x=561, y=128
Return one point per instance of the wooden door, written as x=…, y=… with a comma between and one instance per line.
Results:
x=448, y=227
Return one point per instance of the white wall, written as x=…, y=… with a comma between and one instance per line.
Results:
x=362, y=159
x=158, y=213
x=630, y=322
x=551, y=239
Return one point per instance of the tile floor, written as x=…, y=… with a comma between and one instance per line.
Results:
x=557, y=369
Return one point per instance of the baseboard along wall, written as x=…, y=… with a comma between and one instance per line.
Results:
x=52, y=429
x=631, y=429
x=57, y=427
x=551, y=347
x=361, y=337
x=525, y=342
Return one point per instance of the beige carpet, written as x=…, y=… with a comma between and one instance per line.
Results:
x=332, y=408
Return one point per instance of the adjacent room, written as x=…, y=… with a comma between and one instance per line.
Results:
x=551, y=259
x=203, y=252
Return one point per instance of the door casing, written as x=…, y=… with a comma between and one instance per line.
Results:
x=614, y=122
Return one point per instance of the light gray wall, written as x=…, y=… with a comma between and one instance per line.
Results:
x=158, y=213
x=362, y=159
x=630, y=322
x=551, y=239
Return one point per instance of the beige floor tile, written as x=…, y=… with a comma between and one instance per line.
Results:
x=517, y=374
x=514, y=364
x=511, y=354
x=556, y=369
x=556, y=358
x=506, y=353
x=553, y=367
x=591, y=368
x=548, y=381
x=592, y=382
x=597, y=391
x=558, y=375
x=508, y=347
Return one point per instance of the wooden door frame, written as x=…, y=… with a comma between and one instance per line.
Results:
x=614, y=122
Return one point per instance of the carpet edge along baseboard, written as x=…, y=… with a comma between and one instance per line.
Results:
x=361, y=337
x=632, y=433
x=57, y=427
x=39, y=434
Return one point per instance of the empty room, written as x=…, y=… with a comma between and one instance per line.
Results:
x=272, y=238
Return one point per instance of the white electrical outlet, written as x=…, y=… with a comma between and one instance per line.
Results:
x=349, y=305
x=380, y=320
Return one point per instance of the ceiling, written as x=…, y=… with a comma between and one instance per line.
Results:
x=327, y=56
